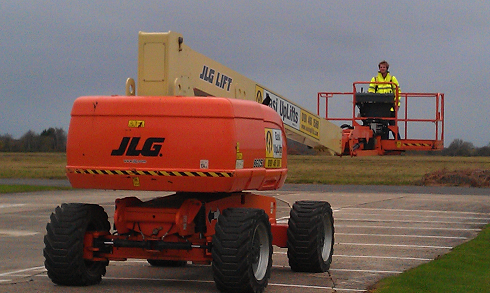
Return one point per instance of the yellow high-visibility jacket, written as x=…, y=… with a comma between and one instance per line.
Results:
x=384, y=88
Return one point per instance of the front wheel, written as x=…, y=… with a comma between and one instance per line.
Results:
x=310, y=236
x=242, y=250
x=64, y=245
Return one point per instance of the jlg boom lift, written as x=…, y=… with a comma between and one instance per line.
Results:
x=195, y=128
x=173, y=136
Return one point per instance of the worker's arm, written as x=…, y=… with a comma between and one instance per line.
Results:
x=372, y=86
x=394, y=80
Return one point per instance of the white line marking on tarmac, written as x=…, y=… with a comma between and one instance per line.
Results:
x=415, y=211
x=315, y=287
x=212, y=282
x=383, y=257
x=408, y=228
x=396, y=245
x=134, y=260
x=367, y=271
x=421, y=216
x=40, y=268
x=11, y=205
x=17, y=233
x=159, y=279
x=405, y=236
x=410, y=221
x=369, y=256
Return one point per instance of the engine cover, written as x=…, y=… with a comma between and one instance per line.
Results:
x=183, y=144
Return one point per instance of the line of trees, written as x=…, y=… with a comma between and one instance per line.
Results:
x=54, y=140
x=49, y=140
x=458, y=147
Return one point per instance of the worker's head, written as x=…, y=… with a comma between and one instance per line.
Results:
x=383, y=66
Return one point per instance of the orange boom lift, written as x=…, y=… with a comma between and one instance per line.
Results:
x=210, y=136
x=210, y=152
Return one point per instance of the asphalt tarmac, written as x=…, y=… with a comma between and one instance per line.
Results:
x=379, y=231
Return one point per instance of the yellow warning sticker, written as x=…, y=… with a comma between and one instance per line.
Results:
x=136, y=123
x=273, y=148
x=310, y=124
x=136, y=181
x=259, y=94
x=271, y=163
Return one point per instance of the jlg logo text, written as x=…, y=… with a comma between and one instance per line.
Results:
x=129, y=147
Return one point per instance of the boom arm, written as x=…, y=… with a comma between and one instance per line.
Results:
x=168, y=67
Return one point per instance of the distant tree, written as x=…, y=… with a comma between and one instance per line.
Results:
x=53, y=140
x=46, y=140
x=7, y=143
x=483, y=151
x=48, y=132
x=50, y=140
x=29, y=142
x=60, y=138
x=458, y=147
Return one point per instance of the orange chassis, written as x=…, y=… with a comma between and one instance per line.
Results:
x=152, y=230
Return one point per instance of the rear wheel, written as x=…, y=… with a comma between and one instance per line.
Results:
x=64, y=245
x=310, y=236
x=242, y=250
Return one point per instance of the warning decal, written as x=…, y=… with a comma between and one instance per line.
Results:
x=310, y=124
x=258, y=94
x=136, y=123
x=150, y=173
x=273, y=148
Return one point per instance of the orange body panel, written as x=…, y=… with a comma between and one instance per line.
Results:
x=185, y=144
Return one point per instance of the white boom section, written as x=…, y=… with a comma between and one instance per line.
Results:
x=167, y=67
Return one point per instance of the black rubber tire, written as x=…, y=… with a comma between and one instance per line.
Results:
x=167, y=263
x=310, y=236
x=242, y=250
x=63, y=251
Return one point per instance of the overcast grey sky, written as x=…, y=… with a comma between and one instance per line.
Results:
x=54, y=51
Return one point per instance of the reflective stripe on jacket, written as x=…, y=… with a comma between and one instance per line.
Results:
x=384, y=88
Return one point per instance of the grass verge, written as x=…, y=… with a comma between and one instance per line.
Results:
x=464, y=269
x=375, y=170
x=28, y=188
x=33, y=165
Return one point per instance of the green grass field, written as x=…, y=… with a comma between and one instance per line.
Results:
x=465, y=269
x=376, y=170
x=28, y=188
x=33, y=165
